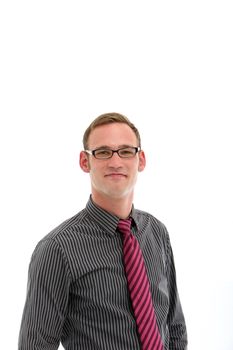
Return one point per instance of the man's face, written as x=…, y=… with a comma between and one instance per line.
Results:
x=114, y=177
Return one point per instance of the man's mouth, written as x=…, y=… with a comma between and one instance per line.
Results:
x=115, y=175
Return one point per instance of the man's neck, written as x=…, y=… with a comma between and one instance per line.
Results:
x=120, y=207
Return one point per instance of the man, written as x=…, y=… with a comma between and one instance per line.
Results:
x=79, y=289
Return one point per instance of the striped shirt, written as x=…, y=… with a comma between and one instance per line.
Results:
x=77, y=290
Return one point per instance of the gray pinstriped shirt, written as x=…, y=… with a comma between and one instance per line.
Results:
x=77, y=290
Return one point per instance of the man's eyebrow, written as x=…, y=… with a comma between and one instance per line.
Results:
x=119, y=146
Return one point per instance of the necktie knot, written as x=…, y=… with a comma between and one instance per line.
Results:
x=124, y=226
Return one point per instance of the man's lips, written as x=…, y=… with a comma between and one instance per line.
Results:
x=116, y=175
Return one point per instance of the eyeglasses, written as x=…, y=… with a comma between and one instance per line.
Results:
x=105, y=153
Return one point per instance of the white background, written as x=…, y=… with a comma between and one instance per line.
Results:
x=167, y=65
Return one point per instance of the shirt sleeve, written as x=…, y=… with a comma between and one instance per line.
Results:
x=46, y=300
x=176, y=321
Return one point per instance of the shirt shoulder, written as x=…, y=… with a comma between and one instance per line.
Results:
x=63, y=232
x=145, y=219
x=154, y=234
x=60, y=241
x=78, y=220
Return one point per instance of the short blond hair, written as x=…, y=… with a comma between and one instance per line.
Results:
x=108, y=118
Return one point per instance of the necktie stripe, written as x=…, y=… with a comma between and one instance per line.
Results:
x=131, y=258
x=136, y=271
x=129, y=249
x=147, y=325
x=156, y=343
x=139, y=290
x=151, y=340
x=134, y=276
x=151, y=337
x=143, y=323
x=143, y=307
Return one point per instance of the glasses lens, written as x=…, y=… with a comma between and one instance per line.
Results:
x=127, y=152
x=103, y=153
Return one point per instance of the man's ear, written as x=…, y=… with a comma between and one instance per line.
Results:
x=142, y=161
x=84, y=162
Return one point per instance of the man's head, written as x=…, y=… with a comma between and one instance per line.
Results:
x=112, y=156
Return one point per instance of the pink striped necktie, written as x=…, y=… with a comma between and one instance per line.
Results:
x=139, y=290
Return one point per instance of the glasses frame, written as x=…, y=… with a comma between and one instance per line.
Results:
x=92, y=152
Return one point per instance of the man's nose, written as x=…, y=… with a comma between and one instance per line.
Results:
x=115, y=159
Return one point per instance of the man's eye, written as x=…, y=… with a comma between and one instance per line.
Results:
x=102, y=152
x=126, y=151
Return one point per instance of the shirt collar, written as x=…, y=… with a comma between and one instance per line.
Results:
x=107, y=221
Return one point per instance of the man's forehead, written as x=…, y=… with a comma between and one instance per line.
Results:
x=112, y=135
